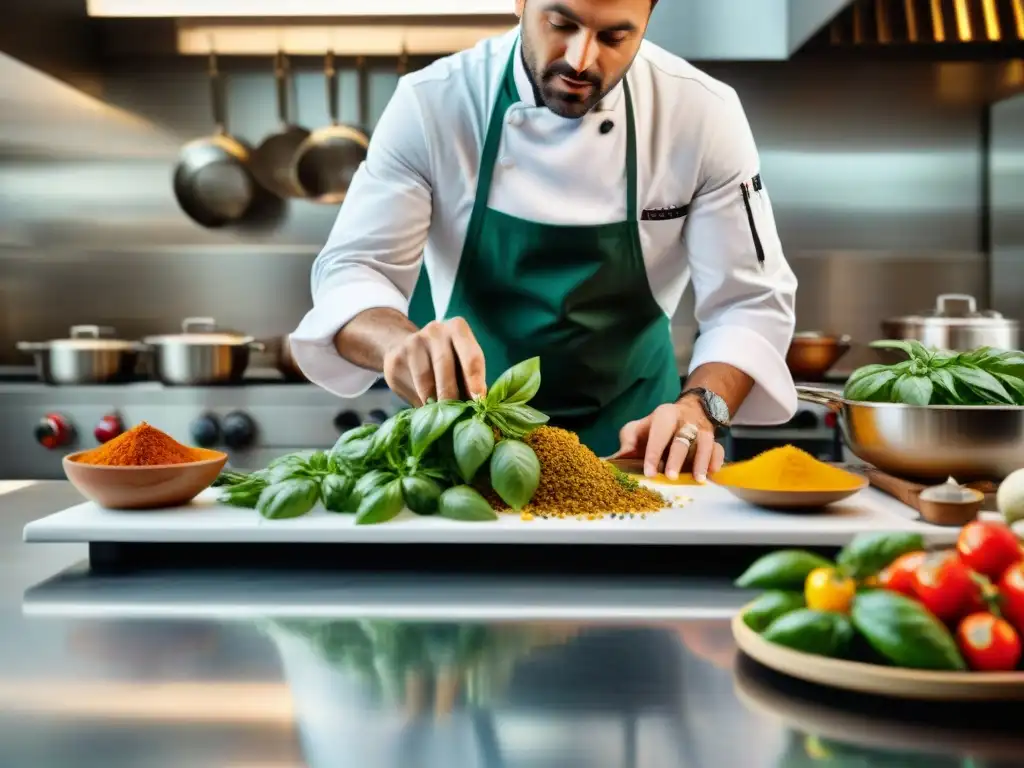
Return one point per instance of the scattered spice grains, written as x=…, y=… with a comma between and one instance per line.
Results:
x=575, y=483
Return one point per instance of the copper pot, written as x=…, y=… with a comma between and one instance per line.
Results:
x=286, y=363
x=811, y=355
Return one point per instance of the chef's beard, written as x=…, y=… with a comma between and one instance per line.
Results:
x=568, y=105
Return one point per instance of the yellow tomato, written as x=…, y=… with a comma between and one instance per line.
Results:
x=826, y=590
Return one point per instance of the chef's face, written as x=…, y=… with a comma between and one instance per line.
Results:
x=578, y=50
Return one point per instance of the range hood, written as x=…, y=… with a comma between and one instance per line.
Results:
x=951, y=28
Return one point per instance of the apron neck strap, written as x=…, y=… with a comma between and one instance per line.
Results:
x=508, y=96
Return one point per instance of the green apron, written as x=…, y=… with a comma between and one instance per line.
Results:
x=578, y=297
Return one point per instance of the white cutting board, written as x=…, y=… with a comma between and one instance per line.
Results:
x=711, y=517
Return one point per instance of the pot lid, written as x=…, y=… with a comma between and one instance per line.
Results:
x=88, y=337
x=946, y=312
x=200, y=330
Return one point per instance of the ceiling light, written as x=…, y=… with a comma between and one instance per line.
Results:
x=294, y=8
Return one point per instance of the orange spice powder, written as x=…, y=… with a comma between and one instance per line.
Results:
x=141, y=446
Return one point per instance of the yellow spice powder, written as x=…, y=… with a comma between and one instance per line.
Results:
x=786, y=469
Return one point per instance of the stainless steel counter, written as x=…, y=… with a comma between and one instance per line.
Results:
x=337, y=670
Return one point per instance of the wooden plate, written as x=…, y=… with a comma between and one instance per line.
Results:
x=875, y=679
x=792, y=500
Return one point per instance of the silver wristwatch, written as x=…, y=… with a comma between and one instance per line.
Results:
x=715, y=408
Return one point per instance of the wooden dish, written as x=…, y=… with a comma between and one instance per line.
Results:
x=892, y=682
x=165, y=485
x=792, y=500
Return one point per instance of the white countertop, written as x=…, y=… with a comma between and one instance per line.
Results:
x=711, y=517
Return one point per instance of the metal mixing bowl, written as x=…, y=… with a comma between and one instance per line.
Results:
x=931, y=442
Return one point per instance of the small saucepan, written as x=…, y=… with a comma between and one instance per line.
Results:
x=286, y=362
x=201, y=355
x=89, y=356
x=812, y=354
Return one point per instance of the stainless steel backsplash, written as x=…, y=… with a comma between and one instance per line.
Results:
x=875, y=170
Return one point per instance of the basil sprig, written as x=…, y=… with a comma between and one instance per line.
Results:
x=439, y=459
x=983, y=376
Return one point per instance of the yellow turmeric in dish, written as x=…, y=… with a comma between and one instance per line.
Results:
x=786, y=469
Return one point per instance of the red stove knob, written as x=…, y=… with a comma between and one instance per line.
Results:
x=54, y=431
x=109, y=427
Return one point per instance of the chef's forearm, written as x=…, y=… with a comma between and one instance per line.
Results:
x=726, y=381
x=367, y=337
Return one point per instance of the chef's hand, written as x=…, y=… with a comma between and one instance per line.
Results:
x=655, y=440
x=433, y=362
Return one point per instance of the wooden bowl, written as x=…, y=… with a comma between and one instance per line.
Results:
x=875, y=679
x=165, y=485
x=791, y=500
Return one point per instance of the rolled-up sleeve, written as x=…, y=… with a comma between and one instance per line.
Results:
x=744, y=308
x=373, y=255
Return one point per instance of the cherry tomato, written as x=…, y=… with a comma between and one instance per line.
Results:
x=988, y=548
x=899, y=576
x=1011, y=593
x=988, y=643
x=944, y=586
x=826, y=590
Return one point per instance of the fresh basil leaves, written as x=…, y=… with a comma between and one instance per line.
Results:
x=438, y=459
x=983, y=376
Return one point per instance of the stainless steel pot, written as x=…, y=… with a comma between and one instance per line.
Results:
x=201, y=355
x=943, y=328
x=931, y=442
x=88, y=356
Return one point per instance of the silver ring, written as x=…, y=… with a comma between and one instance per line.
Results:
x=687, y=433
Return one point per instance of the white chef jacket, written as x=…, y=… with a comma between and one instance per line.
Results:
x=410, y=203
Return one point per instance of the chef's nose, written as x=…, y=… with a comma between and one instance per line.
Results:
x=582, y=50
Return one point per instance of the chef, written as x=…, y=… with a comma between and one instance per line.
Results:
x=550, y=193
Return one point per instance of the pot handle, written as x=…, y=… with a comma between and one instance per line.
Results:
x=90, y=331
x=820, y=396
x=944, y=299
x=32, y=346
x=257, y=346
x=198, y=325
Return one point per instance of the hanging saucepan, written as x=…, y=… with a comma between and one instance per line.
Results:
x=201, y=355
x=213, y=182
x=273, y=162
x=328, y=159
x=88, y=356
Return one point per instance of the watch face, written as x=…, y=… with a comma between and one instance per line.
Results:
x=717, y=408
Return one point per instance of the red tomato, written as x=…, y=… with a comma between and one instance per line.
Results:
x=1011, y=592
x=899, y=576
x=988, y=643
x=944, y=586
x=988, y=548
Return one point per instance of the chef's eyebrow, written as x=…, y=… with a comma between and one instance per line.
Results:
x=562, y=10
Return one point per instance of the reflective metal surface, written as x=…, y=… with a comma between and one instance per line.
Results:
x=267, y=671
x=965, y=329
x=84, y=358
x=930, y=442
x=875, y=173
x=1006, y=192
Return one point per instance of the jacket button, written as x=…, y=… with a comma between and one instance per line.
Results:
x=507, y=162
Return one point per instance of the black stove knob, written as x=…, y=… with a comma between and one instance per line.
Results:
x=376, y=416
x=347, y=420
x=205, y=431
x=239, y=431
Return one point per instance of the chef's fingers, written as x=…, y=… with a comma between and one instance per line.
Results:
x=471, y=357
x=422, y=370
x=702, y=454
x=677, y=454
x=631, y=438
x=717, y=458
x=664, y=426
x=442, y=361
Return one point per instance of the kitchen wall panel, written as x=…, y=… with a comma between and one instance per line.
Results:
x=875, y=171
x=1006, y=194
